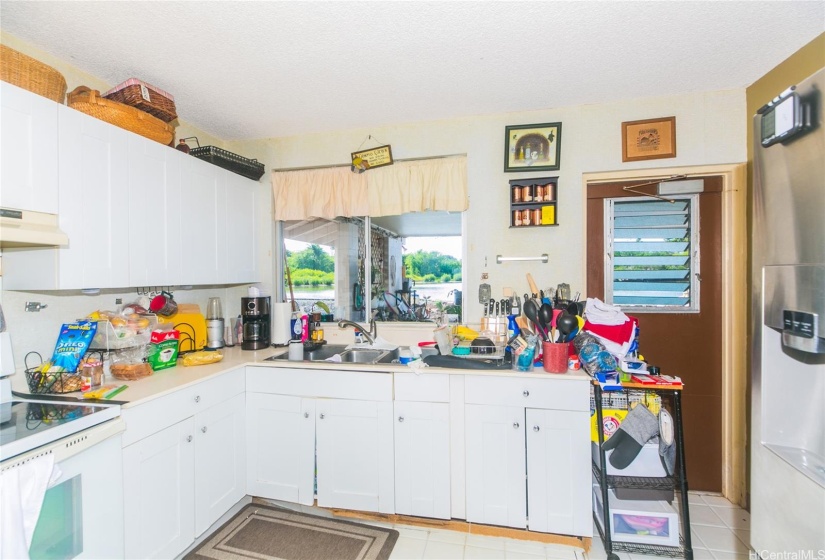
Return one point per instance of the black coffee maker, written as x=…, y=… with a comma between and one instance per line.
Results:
x=256, y=323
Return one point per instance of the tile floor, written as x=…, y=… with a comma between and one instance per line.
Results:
x=719, y=530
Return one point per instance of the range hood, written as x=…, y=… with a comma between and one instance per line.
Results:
x=22, y=228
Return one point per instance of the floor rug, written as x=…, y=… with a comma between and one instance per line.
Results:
x=268, y=533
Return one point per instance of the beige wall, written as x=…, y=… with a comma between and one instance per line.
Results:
x=709, y=127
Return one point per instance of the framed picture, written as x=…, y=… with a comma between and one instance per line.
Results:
x=532, y=147
x=649, y=139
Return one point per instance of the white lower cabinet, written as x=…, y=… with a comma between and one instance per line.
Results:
x=355, y=455
x=220, y=460
x=159, y=493
x=526, y=453
x=281, y=447
x=496, y=485
x=180, y=478
x=558, y=471
x=337, y=424
x=422, y=459
x=354, y=451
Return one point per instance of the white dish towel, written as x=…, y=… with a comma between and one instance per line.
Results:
x=22, y=489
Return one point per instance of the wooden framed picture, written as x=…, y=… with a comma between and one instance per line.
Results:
x=649, y=139
x=532, y=147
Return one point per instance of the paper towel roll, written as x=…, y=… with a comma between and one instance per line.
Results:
x=281, y=315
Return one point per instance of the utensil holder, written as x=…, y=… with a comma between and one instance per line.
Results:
x=555, y=356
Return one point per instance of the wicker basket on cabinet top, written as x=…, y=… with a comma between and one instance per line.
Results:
x=25, y=72
x=134, y=120
x=145, y=97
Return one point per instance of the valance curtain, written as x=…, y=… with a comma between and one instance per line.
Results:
x=409, y=186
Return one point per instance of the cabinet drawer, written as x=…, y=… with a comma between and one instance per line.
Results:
x=424, y=388
x=326, y=383
x=556, y=394
x=158, y=414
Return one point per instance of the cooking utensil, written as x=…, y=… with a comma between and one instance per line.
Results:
x=546, y=317
x=531, y=311
x=566, y=323
x=532, y=283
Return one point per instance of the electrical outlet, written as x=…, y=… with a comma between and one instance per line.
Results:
x=118, y=301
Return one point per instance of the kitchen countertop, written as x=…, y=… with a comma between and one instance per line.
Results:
x=169, y=380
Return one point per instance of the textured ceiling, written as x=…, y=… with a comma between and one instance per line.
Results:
x=244, y=70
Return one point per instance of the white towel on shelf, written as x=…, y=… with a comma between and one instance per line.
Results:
x=22, y=489
x=603, y=313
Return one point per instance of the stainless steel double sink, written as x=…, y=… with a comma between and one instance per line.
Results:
x=351, y=356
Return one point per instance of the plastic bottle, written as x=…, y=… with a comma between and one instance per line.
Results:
x=512, y=327
x=304, y=327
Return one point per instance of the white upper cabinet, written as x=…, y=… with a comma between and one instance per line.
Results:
x=241, y=221
x=94, y=202
x=155, y=209
x=28, y=149
x=203, y=222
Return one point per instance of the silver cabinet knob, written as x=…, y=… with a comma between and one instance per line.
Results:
x=197, y=398
x=526, y=393
x=188, y=439
x=203, y=430
x=515, y=425
x=321, y=416
x=306, y=414
x=536, y=428
x=400, y=418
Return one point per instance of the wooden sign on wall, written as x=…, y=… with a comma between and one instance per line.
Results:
x=375, y=157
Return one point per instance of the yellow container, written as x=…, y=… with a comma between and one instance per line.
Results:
x=611, y=419
x=192, y=326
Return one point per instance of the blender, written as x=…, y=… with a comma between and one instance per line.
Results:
x=214, y=324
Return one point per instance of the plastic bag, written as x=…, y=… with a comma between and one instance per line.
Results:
x=202, y=358
x=593, y=355
x=72, y=342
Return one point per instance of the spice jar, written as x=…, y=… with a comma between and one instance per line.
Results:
x=539, y=193
x=516, y=218
x=517, y=194
x=527, y=194
x=91, y=375
x=525, y=217
x=537, y=216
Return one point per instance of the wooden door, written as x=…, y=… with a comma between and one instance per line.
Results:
x=422, y=459
x=496, y=470
x=355, y=455
x=281, y=447
x=220, y=460
x=688, y=345
x=158, y=496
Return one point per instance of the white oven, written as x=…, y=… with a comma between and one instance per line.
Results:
x=82, y=511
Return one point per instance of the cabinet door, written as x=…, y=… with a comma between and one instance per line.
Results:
x=422, y=459
x=28, y=149
x=158, y=496
x=355, y=455
x=496, y=492
x=280, y=447
x=154, y=214
x=220, y=456
x=558, y=472
x=242, y=224
x=94, y=202
x=203, y=222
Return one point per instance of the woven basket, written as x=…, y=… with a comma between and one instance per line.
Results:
x=145, y=97
x=25, y=72
x=134, y=120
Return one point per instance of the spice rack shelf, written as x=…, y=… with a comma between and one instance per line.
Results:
x=533, y=202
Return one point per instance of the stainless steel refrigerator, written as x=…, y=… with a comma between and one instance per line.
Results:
x=788, y=323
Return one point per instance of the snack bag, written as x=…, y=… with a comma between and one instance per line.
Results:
x=72, y=342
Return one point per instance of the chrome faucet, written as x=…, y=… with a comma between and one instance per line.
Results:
x=370, y=336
